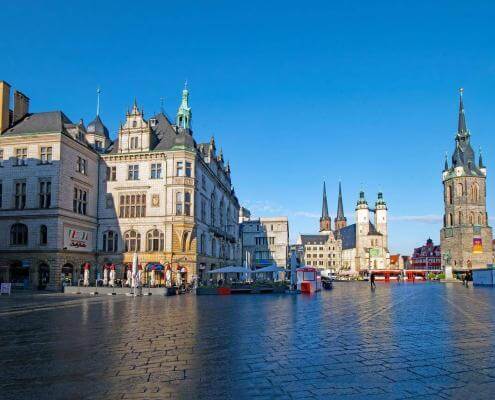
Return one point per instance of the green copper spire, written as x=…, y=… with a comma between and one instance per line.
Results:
x=184, y=113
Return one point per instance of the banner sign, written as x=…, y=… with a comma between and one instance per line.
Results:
x=77, y=239
x=477, y=246
x=5, y=288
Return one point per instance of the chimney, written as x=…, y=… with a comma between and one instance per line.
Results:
x=21, y=106
x=4, y=106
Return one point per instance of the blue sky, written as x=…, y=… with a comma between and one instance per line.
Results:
x=362, y=92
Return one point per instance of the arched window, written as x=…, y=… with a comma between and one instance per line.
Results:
x=212, y=209
x=19, y=234
x=202, y=244
x=155, y=240
x=480, y=219
x=450, y=220
x=110, y=241
x=449, y=194
x=213, y=248
x=220, y=212
x=187, y=203
x=134, y=124
x=132, y=240
x=459, y=218
x=178, y=203
x=460, y=189
x=471, y=218
x=474, y=193
x=43, y=235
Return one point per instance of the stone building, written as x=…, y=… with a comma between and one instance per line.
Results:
x=349, y=249
x=465, y=237
x=427, y=257
x=265, y=241
x=72, y=198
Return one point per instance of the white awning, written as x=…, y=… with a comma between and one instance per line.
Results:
x=271, y=268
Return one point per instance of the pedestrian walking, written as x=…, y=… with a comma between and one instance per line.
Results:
x=372, y=281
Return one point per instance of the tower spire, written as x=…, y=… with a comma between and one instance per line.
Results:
x=340, y=219
x=461, y=125
x=98, y=101
x=325, y=221
x=480, y=160
x=446, y=166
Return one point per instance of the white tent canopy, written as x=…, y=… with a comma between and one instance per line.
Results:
x=270, y=268
x=227, y=270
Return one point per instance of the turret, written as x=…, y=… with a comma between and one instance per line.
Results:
x=184, y=114
x=362, y=215
x=381, y=217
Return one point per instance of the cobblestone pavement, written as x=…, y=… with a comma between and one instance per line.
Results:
x=424, y=340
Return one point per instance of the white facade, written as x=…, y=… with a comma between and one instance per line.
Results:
x=265, y=241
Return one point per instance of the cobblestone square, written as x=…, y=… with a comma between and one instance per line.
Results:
x=423, y=340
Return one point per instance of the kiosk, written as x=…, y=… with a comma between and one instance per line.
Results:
x=308, y=280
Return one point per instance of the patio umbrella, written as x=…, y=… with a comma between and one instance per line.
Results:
x=105, y=275
x=293, y=268
x=228, y=270
x=86, y=274
x=112, y=275
x=134, y=270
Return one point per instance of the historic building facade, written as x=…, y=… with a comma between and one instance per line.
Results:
x=265, y=241
x=70, y=197
x=349, y=249
x=427, y=257
x=465, y=237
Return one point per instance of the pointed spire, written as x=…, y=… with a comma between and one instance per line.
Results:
x=446, y=166
x=480, y=160
x=461, y=125
x=340, y=205
x=98, y=101
x=324, y=208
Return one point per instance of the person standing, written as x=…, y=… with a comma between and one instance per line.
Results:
x=372, y=281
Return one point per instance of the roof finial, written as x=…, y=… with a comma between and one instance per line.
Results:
x=161, y=104
x=185, y=85
x=98, y=91
x=446, y=166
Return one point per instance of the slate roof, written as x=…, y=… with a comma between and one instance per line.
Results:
x=97, y=127
x=313, y=239
x=164, y=136
x=43, y=122
x=348, y=235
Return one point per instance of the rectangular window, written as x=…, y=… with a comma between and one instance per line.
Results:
x=111, y=174
x=134, y=142
x=188, y=168
x=156, y=171
x=180, y=168
x=80, y=201
x=133, y=172
x=21, y=156
x=132, y=205
x=261, y=241
x=45, y=194
x=46, y=155
x=271, y=240
x=1, y=157
x=203, y=210
x=20, y=195
x=81, y=165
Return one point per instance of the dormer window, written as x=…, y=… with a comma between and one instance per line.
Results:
x=134, y=124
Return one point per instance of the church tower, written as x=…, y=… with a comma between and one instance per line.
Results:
x=466, y=237
x=325, y=221
x=340, y=220
x=362, y=216
x=381, y=218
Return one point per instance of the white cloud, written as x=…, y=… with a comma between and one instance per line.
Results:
x=305, y=214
